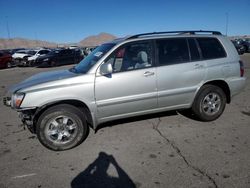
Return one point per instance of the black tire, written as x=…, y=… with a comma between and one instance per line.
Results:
x=52, y=64
x=31, y=64
x=246, y=49
x=56, y=134
x=25, y=61
x=8, y=65
x=209, y=103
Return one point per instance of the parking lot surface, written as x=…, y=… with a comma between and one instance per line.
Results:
x=160, y=150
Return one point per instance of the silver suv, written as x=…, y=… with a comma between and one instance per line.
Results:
x=146, y=73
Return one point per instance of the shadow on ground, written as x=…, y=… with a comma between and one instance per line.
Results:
x=96, y=175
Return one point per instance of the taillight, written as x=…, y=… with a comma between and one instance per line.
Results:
x=241, y=69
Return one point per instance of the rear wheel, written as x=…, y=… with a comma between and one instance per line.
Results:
x=62, y=127
x=209, y=103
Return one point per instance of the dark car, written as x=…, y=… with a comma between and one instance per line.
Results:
x=5, y=60
x=239, y=47
x=59, y=57
x=245, y=43
x=11, y=51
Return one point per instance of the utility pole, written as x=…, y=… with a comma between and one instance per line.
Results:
x=7, y=27
x=226, y=23
x=36, y=39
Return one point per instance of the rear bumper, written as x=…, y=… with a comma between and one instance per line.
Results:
x=236, y=85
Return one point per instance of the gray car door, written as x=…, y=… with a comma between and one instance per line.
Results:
x=131, y=88
x=179, y=73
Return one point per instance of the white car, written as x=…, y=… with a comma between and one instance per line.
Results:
x=37, y=54
x=20, y=58
x=20, y=54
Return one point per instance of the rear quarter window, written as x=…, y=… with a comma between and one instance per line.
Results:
x=211, y=48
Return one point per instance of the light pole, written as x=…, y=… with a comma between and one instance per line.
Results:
x=226, y=23
x=7, y=27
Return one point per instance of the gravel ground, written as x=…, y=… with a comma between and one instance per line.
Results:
x=162, y=150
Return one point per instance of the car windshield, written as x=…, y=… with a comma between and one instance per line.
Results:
x=54, y=52
x=88, y=62
x=31, y=52
x=22, y=52
x=247, y=39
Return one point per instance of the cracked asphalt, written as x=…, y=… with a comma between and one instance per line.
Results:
x=160, y=150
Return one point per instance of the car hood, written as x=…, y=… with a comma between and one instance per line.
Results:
x=42, y=78
x=19, y=55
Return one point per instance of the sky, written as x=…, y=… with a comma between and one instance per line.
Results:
x=69, y=21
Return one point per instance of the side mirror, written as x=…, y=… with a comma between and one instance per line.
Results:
x=106, y=68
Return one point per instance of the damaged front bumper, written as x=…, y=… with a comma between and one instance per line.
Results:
x=27, y=118
x=26, y=115
x=7, y=101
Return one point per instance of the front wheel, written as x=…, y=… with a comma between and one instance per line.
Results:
x=52, y=64
x=209, y=103
x=8, y=65
x=62, y=127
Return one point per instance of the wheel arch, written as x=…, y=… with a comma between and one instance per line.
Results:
x=79, y=104
x=223, y=85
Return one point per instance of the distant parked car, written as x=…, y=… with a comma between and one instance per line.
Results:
x=5, y=60
x=239, y=47
x=12, y=51
x=39, y=53
x=59, y=57
x=20, y=57
x=6, y=51
x=246, y=44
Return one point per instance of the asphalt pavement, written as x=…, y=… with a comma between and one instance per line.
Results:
x=161, y=150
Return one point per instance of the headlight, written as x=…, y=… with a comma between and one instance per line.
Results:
x=17, y=99
x=47, y=59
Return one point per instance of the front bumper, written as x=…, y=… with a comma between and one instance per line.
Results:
x=40, y=63
x=26, y=115
x=20, y=62
x=27, y=118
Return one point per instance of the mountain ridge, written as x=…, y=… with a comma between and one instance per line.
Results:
x=18, y=42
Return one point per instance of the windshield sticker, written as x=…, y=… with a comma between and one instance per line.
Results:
x=98, y=54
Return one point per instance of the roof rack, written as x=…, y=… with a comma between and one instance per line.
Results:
x=175, y=32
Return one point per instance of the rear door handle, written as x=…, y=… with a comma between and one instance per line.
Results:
x=148, y=73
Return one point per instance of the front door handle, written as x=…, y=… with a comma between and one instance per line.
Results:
x=148, y=73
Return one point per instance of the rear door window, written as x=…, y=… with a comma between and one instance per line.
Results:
x=211, y=48
x=172, y=51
